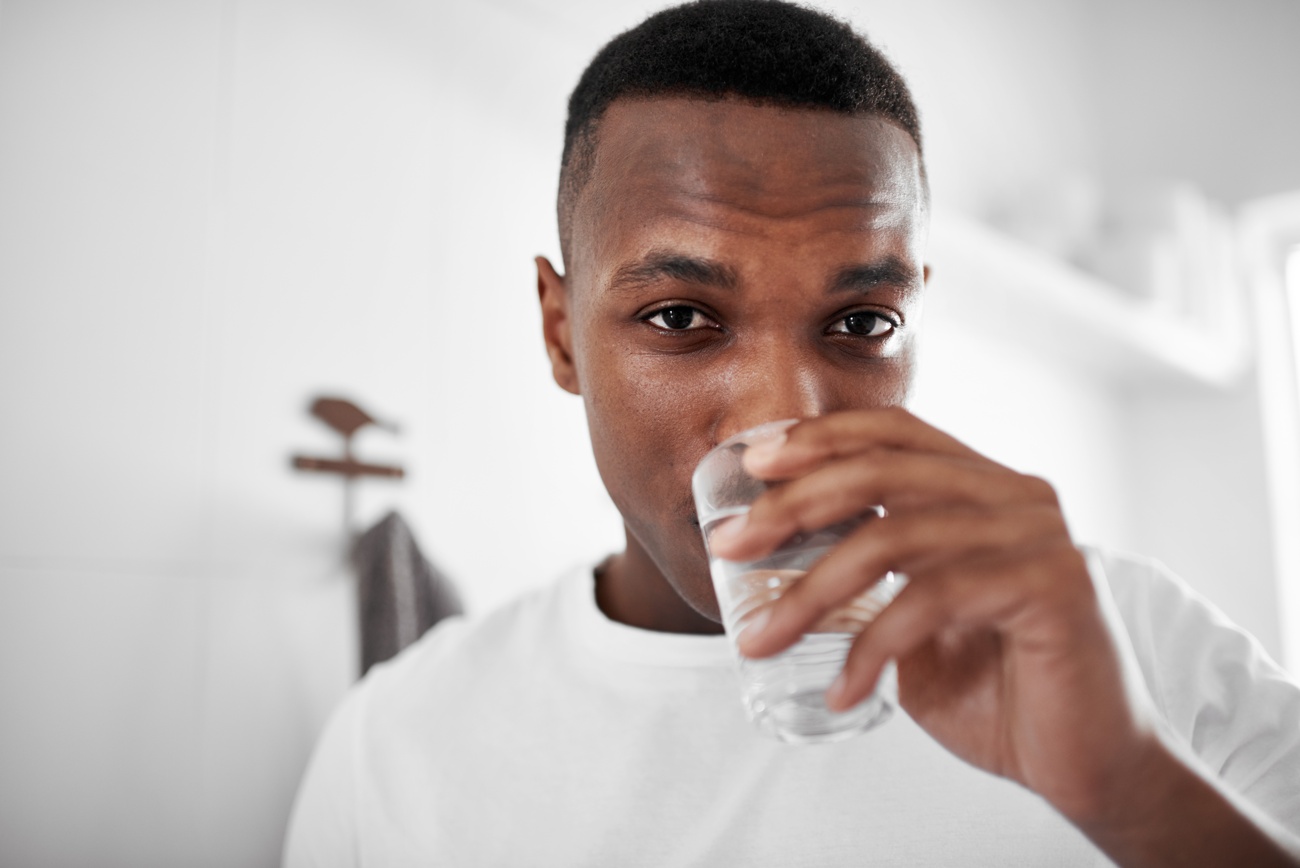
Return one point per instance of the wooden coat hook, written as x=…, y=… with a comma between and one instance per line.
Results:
x=347, y=419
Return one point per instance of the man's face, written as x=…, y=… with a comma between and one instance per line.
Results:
x=732, y=264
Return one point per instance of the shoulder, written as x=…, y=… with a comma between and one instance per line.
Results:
x=398, y=741
x=1183, y=642
x=1135, y=580
x=1174, y=631
x=1214, y=685
x=463, y=648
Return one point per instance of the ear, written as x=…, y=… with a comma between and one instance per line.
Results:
x=556, y=325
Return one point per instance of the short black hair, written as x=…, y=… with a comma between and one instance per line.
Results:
x=768, y=52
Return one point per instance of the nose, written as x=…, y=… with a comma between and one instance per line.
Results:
x=773, y=381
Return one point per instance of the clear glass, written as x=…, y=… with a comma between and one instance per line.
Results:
x=785, y=695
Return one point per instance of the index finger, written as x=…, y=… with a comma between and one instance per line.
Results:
x=815, y=441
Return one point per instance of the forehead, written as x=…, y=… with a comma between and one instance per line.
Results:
x=735, y=166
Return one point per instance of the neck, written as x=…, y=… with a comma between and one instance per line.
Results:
x=632, y=590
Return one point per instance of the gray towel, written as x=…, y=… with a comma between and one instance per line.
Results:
x=400, y=594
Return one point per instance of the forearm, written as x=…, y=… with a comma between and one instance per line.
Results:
x=1168, y=814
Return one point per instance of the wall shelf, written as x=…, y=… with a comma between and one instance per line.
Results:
x=1016, y=293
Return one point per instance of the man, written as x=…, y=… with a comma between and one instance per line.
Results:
x=743, y=213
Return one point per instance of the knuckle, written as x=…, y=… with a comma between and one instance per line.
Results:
x=838, y=501
x=1068, y=560
x=1041, y=490
x=1040, y=520
x=898, y=414
x=1062, y=575
x=814, y=435
x=904, y=534
x=928, y=598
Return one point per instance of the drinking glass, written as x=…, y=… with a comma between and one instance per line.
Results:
x=785, y=694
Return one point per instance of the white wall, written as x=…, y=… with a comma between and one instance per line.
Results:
x=1200, y=89
x=211, y=211
x=1200, y=486
x=1036, y=415
x=1204, y=90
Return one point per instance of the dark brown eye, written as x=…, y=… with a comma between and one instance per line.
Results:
x=865, y=323
x=677, y=318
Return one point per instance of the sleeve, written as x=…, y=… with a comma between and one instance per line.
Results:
x=322, y=829
x=1234, y=709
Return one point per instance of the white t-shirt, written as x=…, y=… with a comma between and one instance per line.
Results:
x=544, y=734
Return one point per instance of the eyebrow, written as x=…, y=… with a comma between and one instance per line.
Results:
x=673, y=266
x=890, y=271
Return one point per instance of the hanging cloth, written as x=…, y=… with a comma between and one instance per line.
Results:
x=400, y=594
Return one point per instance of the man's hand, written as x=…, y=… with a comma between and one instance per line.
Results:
x=1005, y=654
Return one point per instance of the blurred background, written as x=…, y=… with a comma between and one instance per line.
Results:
x=213, y=211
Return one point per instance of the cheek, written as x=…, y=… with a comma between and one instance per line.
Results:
x=640, y=408
x=646, y=454
x=646, y=435
x=893, y=388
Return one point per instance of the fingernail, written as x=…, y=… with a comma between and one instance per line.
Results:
x=727, y=532
x=754, y=628
x=762, y=454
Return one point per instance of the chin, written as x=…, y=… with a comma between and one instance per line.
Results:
x=685, y=568
x=694, y=584
x=697, y=590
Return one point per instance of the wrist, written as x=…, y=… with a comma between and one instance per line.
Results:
x=1137, y=796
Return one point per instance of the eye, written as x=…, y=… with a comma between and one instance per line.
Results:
x=863, y=323
x=678, y=318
